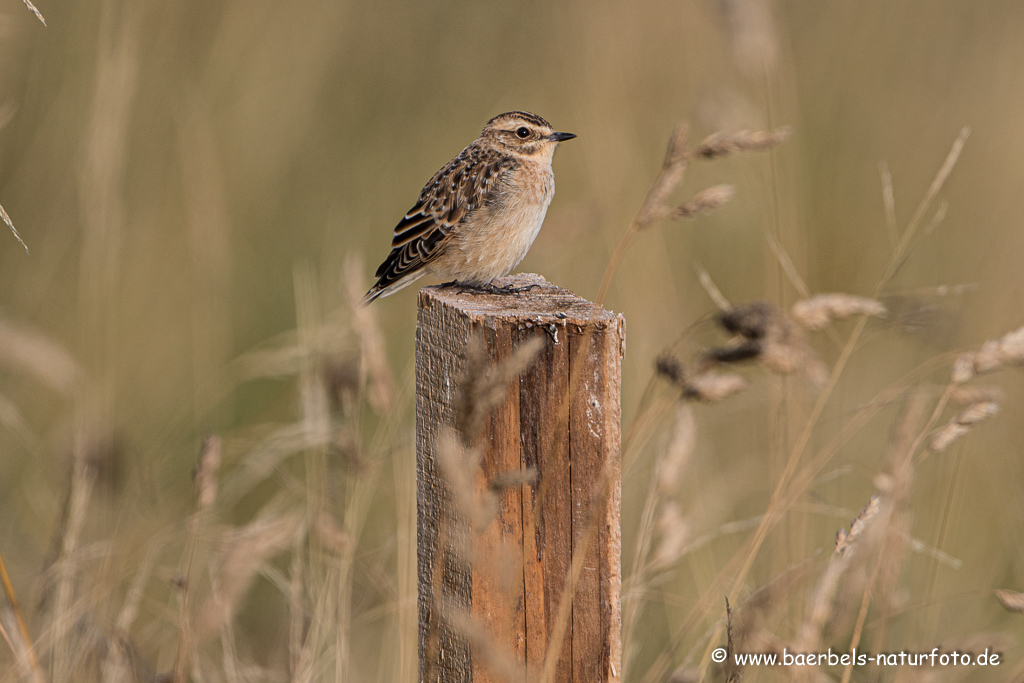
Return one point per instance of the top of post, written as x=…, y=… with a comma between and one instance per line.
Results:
x=544, y=303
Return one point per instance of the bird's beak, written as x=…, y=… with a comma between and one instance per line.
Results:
x=561, y=137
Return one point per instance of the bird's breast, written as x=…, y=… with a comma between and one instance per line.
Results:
x=496, y=239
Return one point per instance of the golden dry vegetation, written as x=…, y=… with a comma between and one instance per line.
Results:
x=206, y=453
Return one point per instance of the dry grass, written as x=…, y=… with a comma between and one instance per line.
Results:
x=169, y=167
x=14, y=230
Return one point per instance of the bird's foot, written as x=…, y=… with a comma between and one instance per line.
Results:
x=488, y=288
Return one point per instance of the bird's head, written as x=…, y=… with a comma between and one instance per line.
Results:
x=523, y=134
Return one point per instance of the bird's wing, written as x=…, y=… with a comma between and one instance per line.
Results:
x=449, y=198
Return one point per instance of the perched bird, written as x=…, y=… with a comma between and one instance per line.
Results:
x=477, y=217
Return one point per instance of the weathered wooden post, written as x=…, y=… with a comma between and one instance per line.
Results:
x=561, y=417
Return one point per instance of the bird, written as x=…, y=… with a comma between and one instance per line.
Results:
x=476, y=218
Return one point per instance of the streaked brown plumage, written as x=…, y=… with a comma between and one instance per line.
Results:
x=476, y=218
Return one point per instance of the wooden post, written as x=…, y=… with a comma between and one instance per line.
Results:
x=561, y=417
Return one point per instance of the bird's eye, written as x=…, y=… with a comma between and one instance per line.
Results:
x=523, y=132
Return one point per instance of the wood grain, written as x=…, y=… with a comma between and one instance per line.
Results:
x=560, y=416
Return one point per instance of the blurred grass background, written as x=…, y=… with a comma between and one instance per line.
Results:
x=176, y=168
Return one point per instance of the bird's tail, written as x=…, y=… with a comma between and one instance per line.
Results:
x=372, y=296
x=378, y=290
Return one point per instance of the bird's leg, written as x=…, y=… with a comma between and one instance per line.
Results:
x=488, y=288
x=510, y=289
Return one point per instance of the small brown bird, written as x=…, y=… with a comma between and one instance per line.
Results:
x=477, y=217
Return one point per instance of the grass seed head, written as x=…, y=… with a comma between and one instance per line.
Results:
x=962, y=423
x=705, y=202
x=677, y=453
x=720, y=144
x=513, y=478
x=669, y=367
x=860, y=523
x=242, y=553
x=371, y=339
x=460, y=465
x=711, y=387
x=770, y=337
x=1012, y=601
x=966, y=396
x=483, y=386
x=994, y=354
x=752, y=321
x=816, y=312
x=206, y=471
x=674, y=532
